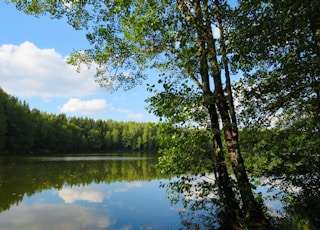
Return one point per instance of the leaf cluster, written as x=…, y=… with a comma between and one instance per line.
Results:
x=277, y=46
x=184, y=151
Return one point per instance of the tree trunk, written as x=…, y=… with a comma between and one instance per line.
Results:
x=227, y=112
x=223, y=179
x=218, y=104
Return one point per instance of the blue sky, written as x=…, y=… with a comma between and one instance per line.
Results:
x=33, y=68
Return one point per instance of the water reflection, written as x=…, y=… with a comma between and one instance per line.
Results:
x=55, y=216
x=203, y=208
x=68, y=192
x=88, y=193
x=114, y=192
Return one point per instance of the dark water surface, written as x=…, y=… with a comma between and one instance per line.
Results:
x=84, y=192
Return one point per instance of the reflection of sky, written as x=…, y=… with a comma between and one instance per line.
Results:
x=270, y=196
x=114, y=206
x=275, y=206
x=128, y=186
x=58, y=216
x=94, y=193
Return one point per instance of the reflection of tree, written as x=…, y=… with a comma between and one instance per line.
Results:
x=303, y=205
x=202, y=207
x=289, y=153
x=27, y=176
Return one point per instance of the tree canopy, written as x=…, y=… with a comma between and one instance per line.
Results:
x=278, y=46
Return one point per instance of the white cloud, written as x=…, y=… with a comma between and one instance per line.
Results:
x=126, y=227
x=75, y=105
x=131, y=115
x=123, y=110
x=28, y=71
x=70, y=195
x=31, y=72
x=137, y=116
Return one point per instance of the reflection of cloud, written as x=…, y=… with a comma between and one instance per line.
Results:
x=275, y=208
x=70, y=195
x=136, y=184
x=42, y=216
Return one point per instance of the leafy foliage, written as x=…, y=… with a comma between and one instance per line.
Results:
x=185, y=151
x=278, y=45
x=289, y=154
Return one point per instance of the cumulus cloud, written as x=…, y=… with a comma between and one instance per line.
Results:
x=131, y=115
x=85, y=107
x=28, y=71
x=75, y=105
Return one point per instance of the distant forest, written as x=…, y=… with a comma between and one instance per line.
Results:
x=31, y=131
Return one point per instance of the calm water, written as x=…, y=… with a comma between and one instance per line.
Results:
x=84, y=192
x=92, y=192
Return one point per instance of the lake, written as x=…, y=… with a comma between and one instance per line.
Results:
x=108, y=191
x=96, y=191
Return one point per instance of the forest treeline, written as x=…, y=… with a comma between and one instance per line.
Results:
x=31, y=131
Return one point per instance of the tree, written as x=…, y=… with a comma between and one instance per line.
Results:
x=115, y=134
x=19, y=130
x=40, y=131
x=278, y=46
x=3, y=118
x=94, y=140
x=177, y=38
